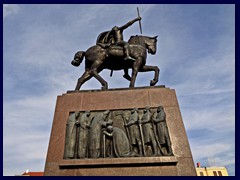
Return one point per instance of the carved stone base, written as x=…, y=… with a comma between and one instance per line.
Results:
x=179, y=164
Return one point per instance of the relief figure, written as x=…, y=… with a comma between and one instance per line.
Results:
x=85, y=122
x=71, y=136
x=159, y=118
x=95, y=133
x=135, y=137
x=148, y=134
x=120, y=142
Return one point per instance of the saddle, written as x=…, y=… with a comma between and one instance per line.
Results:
x=112, y=50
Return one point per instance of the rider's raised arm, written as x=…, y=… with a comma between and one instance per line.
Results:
x=130, y=23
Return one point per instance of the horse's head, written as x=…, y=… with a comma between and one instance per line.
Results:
x=151, y=44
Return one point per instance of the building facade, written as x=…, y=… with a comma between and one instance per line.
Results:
x=211, y=171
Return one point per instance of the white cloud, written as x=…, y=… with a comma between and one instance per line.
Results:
x=209, y=118
x=210, y=150
x=26, y=127
x=9, y=9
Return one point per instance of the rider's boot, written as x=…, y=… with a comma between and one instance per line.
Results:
x=128, y=57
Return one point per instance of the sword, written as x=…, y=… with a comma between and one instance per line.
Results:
x=128, y=134
x=104, y=145
x=76, y=155
x=142, y=138
x=140, y=25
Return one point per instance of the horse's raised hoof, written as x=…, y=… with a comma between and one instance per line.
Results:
x=104, y=88
x=153, y=82
x=126, y=76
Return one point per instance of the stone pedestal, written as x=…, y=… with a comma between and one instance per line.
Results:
x=180, y=164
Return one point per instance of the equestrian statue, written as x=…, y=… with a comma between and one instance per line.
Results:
x=113, y=53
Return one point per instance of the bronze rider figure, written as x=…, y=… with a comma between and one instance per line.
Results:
x=118, y=38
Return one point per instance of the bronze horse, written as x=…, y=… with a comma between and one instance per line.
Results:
x=98, y=58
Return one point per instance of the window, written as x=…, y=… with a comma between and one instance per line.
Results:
x=201, y=173
x=215, y=173
x=220, y=173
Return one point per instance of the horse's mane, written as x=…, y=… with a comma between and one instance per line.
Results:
x=135, y=36
x=135, y=39
x=140, y=36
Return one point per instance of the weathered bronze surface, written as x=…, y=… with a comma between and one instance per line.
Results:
x=135, y=138
x=71, y=136
x=113, y=53
x=159, y=118
x=117, y=133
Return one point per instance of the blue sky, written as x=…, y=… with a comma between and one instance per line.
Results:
x=196, y=56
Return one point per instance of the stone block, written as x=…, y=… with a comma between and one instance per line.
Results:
x=180, y=164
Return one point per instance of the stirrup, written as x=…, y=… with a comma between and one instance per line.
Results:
x=129, y=58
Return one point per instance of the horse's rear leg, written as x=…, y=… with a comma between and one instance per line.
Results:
x=86, y=76
x=94, y=73
x=156, y=75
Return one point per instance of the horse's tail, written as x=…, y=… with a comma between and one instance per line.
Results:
x=78, y=58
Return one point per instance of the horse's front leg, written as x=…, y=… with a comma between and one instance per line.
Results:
x=126, y=75
x=135, y=69
x=156, y=75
